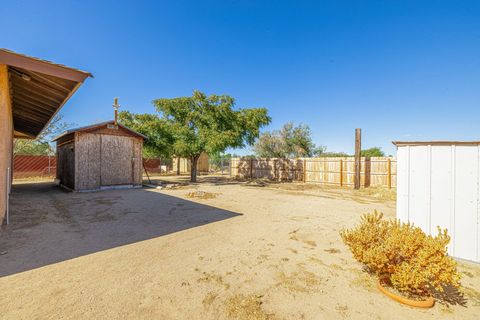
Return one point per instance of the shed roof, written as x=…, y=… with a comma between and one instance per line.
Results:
x=435, y=143
x=38, y=89
x=97, y=125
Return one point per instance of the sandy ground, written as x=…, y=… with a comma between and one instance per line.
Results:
x=247, y=252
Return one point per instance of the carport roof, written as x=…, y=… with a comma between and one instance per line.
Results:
x=38, y=90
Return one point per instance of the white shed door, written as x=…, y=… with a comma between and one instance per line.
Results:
x=438, y=185
x=466, y=197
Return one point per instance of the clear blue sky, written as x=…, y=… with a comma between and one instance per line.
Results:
x=400, y=70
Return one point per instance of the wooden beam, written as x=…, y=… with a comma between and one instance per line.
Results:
x=17, y=109
x=18, y=60
x=49, y=81
x=18, y=88
x=31, y=104
x=29, y=115
x=37, y=99
x=358, y=148
x=39, y=85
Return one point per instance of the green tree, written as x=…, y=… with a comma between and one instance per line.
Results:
x=288, y=142
x=372, y=152
x=160, y=139
x=43, y=144
x=334, y=154
x=210, y=124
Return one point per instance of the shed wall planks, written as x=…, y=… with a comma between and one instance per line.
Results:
x=104, y=155
x=116, y=160
x=438, y=185
x=87, y=161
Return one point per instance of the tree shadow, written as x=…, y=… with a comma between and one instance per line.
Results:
x=49, y=225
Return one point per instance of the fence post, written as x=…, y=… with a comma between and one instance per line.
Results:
x=389, y=176
x=251, y=168
x=304, y=170
x=358, y=143
x=341, y=172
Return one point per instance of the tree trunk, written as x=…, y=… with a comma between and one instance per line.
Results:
x=178, y=166
x=193, y=168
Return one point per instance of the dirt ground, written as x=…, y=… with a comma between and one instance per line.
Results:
x=219, y=249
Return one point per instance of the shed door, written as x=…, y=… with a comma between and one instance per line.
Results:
x=116, y=160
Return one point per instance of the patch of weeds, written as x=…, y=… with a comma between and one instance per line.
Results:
x=311, y=243
x=332, y=250
x=472, y=295
x=209, y=299
x=342, y=310
x=247, y=307
x=468, y=274
x=201, y=195
x=298, y=281
x=364, y=281
x=213, y=278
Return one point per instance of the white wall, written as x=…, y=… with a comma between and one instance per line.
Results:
x=438, y=185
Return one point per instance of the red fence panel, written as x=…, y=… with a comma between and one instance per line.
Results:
x=27, y=166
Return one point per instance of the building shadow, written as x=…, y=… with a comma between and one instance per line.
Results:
x=49, y=225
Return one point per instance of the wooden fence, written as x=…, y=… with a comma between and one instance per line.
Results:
x=375, y=171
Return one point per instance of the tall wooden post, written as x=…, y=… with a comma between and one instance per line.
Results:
x=358, y=148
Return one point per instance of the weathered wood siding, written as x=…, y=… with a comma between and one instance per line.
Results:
x=107, y=160
x=87, y=161
x=117, y=160
x=137, y=161
x=66, y=164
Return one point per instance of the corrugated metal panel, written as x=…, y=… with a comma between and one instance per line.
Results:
x=438, y=185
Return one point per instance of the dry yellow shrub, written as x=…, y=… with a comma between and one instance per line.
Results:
x=415, y=263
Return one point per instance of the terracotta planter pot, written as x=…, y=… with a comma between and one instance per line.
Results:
x=427, y=303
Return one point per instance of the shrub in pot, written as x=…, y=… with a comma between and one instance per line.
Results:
x=414, y=263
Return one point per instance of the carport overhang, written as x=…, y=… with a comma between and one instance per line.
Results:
x=32, y=91
x=38, y=90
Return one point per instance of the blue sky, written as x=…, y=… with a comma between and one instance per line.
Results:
x=400, y=70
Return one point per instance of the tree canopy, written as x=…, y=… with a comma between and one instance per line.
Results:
x=188, y=126
x=160, y=139
x=289, y=142
x=372, y=152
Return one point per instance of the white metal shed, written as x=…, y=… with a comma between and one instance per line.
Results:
x=438, y=185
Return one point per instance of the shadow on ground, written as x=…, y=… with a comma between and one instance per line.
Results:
x=49, y=225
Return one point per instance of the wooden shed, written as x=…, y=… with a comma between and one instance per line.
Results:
x=182, y=165
x=101, y=156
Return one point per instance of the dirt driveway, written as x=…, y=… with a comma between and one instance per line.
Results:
x=247, y=252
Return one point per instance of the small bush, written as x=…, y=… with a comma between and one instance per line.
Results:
x=415, y=263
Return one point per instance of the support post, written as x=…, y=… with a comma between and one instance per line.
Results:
x=358, y=148
x=341, y=172
x=251, y=168
x=389, y=177
x=304, y=170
